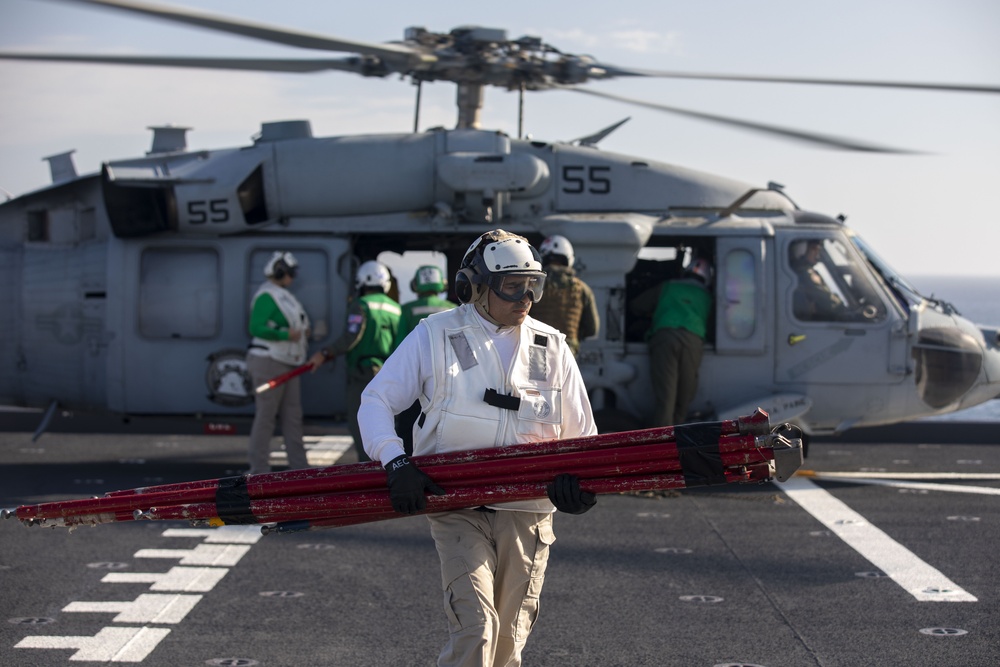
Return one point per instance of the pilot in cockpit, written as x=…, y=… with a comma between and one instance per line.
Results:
x=813, y=298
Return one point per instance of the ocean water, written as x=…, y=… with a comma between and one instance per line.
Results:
x=978, y=300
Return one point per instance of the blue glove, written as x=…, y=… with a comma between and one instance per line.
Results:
x=407, y=484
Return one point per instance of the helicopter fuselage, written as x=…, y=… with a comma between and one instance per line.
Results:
x=130, y=289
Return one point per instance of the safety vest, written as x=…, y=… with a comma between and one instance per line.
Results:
x=286, y=351
x=381, y=315
x=561, y=305
x=477, y=403
x=683, y=304
x=416, y=310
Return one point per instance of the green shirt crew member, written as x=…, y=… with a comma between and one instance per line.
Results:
x=676, y=339
x=372, y=322
x=279, y=326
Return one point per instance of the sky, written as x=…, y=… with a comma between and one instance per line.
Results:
x=929, y=213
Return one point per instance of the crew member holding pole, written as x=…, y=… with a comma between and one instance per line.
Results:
x=279, y=326
x=486, y=375
x=372, y=321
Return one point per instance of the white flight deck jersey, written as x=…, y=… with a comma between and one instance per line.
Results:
x=286, y=351
x=469, y=400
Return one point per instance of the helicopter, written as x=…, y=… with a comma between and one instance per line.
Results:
x=131, y=286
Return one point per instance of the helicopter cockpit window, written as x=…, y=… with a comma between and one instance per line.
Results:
x=832, y=285
x=179, y=292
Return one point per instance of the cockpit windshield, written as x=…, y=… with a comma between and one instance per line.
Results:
x=901, y=288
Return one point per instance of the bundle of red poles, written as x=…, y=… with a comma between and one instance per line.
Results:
x=671, y=457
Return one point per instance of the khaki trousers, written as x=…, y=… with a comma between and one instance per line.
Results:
x=492, y=570
x=284, y=400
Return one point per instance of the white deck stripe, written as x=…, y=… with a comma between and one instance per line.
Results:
x=916, y=577
x=967, y=476
x=930, y=486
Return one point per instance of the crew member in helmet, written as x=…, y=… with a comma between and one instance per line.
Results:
x=428, y=282
x=279, y=326
x=486, y=375
x=680, y=309
x=569, y=302
x=372, y=321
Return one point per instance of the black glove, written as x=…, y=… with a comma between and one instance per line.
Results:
x=407, y=483
x=566, y=495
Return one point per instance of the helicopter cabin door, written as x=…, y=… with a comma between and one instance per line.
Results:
x=185, y=332
x=836, y=329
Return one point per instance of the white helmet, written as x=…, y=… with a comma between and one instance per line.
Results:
x=493, y=256
x=557, y=245
x=373, y=274
x=280, y=265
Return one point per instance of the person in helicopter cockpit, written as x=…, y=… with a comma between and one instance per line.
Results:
x=813, y=299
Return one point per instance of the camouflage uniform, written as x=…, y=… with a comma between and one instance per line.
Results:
x=568, y=305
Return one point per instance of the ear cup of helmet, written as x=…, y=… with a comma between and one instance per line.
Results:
x=464, y=289
x=279, y=270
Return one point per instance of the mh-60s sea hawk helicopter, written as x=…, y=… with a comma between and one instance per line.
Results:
x=129, y=289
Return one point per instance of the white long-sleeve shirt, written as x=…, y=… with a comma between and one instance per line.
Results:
x=409, y=372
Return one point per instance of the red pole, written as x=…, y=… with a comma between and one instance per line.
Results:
x=733, y=451
x=755, y=424
x=660, y=458
x=284, y=377
x=473, y=498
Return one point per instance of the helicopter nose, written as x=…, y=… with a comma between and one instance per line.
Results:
x=948, y=362
x=991, y=362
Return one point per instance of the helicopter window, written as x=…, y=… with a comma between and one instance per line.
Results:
x=38, y=226
x=179, y=290
x=832, y=285
x=741, y=294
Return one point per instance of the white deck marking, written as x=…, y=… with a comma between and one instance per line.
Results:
x=108, y=645
x=147, y=608
x=966, y=476
x=930, y=486
x=224, y=555
x=185, y=579
x=916, y=577
x=220, y=535
x=322, y=450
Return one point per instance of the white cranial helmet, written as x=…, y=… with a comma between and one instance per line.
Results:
x=373, y=274
x=557, y=245
x=280, y=265
x=490, y=259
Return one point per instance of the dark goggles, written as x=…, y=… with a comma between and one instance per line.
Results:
x=515, y=286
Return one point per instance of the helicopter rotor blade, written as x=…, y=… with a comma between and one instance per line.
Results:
x=611, y=71
x=401, y=57
x=299, y=65
x=824, y=140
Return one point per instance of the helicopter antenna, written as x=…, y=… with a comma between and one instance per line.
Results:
x=7, y=193
x=592, y=139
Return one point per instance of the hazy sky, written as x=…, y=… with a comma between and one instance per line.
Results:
x=932, y=213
